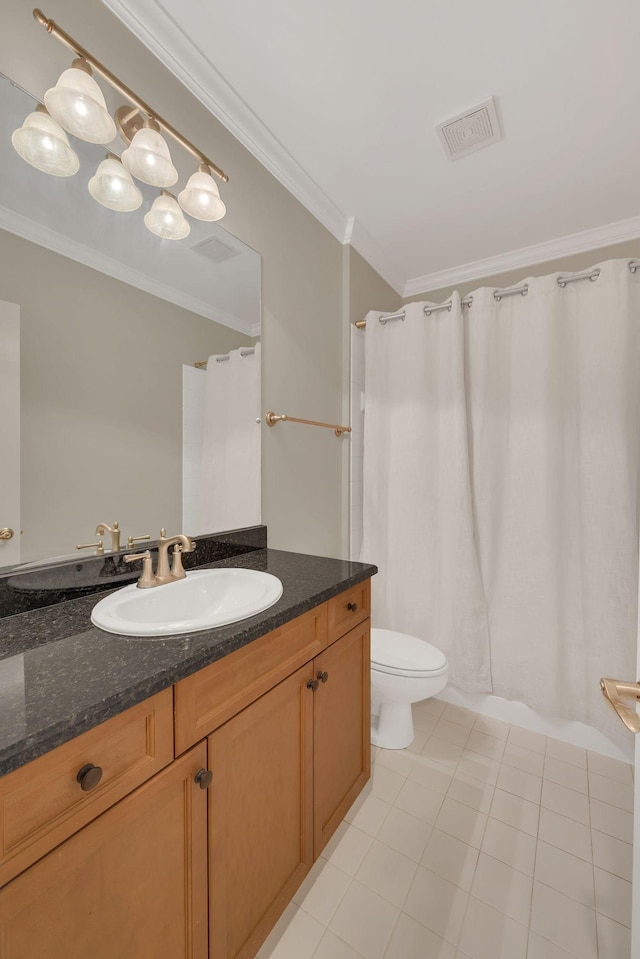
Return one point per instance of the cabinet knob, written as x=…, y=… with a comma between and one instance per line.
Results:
x=313, y=684
x=352, y=607
x=6, y=533
x=89, y=777
x=323, y=676
x=204, y=778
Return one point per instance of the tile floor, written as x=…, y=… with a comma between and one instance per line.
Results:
x=481, y=841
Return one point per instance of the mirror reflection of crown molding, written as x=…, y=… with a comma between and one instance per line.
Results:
x=44, y=236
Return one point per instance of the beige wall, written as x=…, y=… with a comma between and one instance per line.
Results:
x=570, y=264
x=302, y=271
x=101, y=398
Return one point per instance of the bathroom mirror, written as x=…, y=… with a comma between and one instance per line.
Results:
x=112, y=322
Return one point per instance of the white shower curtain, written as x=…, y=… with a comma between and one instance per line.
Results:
x=418, y=523
x=542, y=488
x=231, y=473
x=552, y=393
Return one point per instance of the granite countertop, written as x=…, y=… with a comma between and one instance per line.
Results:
x=59, y=675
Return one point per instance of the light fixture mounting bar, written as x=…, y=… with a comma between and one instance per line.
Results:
x=52, y=27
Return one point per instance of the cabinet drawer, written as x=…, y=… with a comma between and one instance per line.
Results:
x=213, y=695
x=348, y=609
x=42, y=803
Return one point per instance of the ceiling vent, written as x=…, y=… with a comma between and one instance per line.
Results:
x=472, y=130
x=214, y=249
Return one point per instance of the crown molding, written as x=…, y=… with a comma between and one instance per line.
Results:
x=361, y=241
x=30, y=230
x=594, y=239
x=164, y=37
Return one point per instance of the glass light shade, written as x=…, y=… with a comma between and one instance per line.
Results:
x=201, y=199
x=77, y=103
x=43, y=143
x=113, y=187
x=149, y=160
x=166, y=220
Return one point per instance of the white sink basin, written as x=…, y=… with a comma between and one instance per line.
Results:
x=205, y=599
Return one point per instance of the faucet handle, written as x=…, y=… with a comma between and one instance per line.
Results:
x=99, y=547
x=132, y=540
x=147, y=577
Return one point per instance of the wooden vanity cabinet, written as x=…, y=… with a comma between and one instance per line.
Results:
x=132, y=883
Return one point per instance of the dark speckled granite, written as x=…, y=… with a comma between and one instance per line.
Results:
x=59, y=675
x=23, y=589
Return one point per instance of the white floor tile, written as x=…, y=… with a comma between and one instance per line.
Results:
x=511, y=846
x=451, y=859
x=452, y=732
x=299, y=939
x=528, y=739
x=385, y=784
x=364, y=921
x=574, y=837
x=614, y=940
x=421, y=736
x=615, y=822
x=412, y=940
x=520, y=783
x=321, y=898
x=404, y=833
x=567, y=753
x=565, y=873
x=480, y=742
x=503, y=887
x=370, y=815
x=434, y=706
x=540, y=948
x=565, y=774
x=442, y=751
x=456, y=714
x=386, y=872
x=462, y=821
x=492, y=727
x=611, y=768
x=564, y=921
x=437, y=904
x=347, y=848
x=566, y=802
x=479, y=767
x=525, y=759
x=613, y=896
x=397, y=760
x=333, y=948
x=612, y=855
x=471, y=792
x=516, y=812
x=419, y=801
x=431, y=774
x=489, y=934
x=611, y=791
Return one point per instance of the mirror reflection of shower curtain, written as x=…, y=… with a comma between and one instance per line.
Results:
x=231, y=473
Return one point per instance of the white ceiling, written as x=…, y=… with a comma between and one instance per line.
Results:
x=339, y=99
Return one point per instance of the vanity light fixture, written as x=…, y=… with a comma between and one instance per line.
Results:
x=201, y=198
x=78, y=104
x=43, y=143
x=165, y=218
x=113, y=187
x=148, y=158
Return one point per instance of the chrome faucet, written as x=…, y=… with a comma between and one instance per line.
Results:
x=181, y=544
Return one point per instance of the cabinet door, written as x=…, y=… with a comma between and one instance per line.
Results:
x=133, y=883
x=260, y=809
x=341, y=723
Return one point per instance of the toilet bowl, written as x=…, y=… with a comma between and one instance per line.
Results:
x=404, y=670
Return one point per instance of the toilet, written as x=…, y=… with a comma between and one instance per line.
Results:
x=404, y=670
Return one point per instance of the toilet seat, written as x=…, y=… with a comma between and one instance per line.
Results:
x=400, y=654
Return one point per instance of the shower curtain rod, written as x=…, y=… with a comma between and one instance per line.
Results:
x=498, y=295
x=202, y=364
